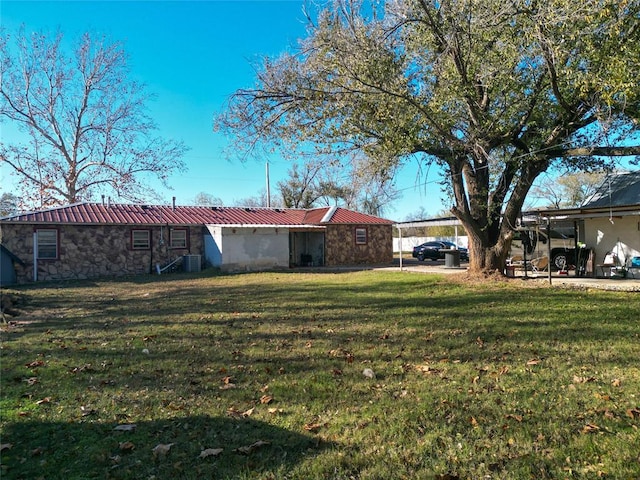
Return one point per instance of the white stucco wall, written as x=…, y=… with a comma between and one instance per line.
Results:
x=246, y=248
x=621, y=237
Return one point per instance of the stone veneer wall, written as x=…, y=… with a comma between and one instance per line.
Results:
x=89, y=251
x=341, y=247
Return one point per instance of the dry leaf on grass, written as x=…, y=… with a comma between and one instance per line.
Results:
x=266, y=399
x=35, y=364
x=313, y=427
x=126, y=446
x=367, y=372
x=248, y=413
x=210, y=452
x=633, y=413
x=162, y=449
x=590, y=428
x=578, y=379
x=126, y=428
x=5, y=446
x=251, y=448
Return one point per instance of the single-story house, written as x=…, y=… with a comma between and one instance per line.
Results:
x=609, y=221
x=86, y=240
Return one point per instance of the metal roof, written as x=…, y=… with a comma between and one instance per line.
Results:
x=617, y=190
x=127, y=214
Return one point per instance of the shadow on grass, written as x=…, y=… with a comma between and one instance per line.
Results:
x=97, y=450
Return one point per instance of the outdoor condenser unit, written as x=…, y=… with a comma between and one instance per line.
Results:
x=191, y=263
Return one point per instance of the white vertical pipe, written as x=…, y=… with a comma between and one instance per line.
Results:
x=35, y=256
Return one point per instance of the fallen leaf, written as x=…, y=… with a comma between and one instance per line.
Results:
x=533, y=362
x=126, y=428
x=367, y=372
x=474, y=422
x=44, y=400
x=633, y=413
x=273, y=411
x=6, y=446
x=37, y=451
x=161, y=450
x=616, y=382
x=250, y=448
x=265, y=399
x=517, y=418
x=313, y=427
x=264, y=389
x=86, y=411
x=35, y=363
x=126, y=446
x=227, y=386
x=590, y=428
x=248, y=413
x=427, y=369
x=577, y=379
x=211, y=452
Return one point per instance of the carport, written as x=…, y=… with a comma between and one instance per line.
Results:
x=435, y=222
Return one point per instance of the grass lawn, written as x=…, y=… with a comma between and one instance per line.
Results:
x=359, y=375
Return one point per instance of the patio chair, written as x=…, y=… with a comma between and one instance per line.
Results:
x=540, y=264
x=610, y=263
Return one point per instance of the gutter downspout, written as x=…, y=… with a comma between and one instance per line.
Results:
x=35, y=256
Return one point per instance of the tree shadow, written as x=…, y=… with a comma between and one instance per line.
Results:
x=189, y=448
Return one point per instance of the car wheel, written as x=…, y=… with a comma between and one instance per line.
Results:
x=559, y=261
x=420, y=257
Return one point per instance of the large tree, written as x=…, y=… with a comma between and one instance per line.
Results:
x=567, y=190
x=331, y=183
x=85, y=124
x=493, y=92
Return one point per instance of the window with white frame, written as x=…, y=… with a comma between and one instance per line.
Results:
x=140, y=239
x=47, y=243
x=178, y=238
x=361, y=236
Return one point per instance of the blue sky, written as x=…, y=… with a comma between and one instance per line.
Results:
x=193, y=55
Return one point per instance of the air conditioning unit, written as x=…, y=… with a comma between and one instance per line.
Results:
x=192, y=263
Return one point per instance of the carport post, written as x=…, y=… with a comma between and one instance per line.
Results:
x=400, y=246
x=549, y=247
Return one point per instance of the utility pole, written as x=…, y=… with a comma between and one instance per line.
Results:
x=268, y=187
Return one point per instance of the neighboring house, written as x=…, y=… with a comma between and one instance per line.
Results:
x=88, y=240
x=609, y=221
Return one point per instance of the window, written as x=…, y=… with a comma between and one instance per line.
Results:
x=47, y=244
x=361, y=236
x=140, y=240
x=178, y=238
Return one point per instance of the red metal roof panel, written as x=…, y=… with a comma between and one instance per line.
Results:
x=97, y=213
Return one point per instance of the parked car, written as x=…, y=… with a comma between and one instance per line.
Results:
x=432, y=250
